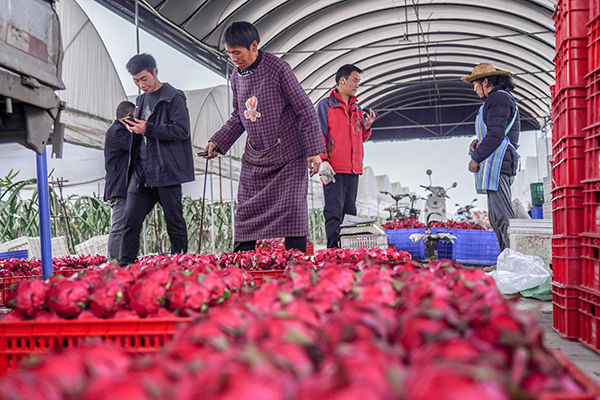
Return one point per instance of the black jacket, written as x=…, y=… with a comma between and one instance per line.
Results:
x=498, y=111
x=116, y=158
x=170, y=159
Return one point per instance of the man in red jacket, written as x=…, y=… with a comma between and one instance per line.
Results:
x=344, y=129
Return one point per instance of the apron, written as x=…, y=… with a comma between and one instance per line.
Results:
x=488, y=176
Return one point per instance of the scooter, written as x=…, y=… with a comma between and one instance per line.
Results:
x=398, y=213
x=464, y=213
x=435, y=204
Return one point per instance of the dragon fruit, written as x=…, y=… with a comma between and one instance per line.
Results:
x=28, y=297
x=107, y=298
x=67, y=297
x=146, y=296
x=187, y=296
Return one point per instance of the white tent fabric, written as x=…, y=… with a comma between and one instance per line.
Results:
x=93, y=89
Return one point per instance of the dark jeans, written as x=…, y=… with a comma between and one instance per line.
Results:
x=140, y=201
x=340, y=199
x=500, y=210
x=117, y=226
x=295, y=242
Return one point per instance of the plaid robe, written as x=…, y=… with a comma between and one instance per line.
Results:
x=272, y=107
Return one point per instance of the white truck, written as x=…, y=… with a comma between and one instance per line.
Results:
x=30, y=73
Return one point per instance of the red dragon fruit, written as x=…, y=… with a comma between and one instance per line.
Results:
x=187, y=296
x=28, y=297
x=67, y=297
x=146, y=296
x=107, y=298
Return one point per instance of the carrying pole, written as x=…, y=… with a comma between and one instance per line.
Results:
x=202, y=213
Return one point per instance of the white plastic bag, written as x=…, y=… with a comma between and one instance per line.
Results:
x=516, y=272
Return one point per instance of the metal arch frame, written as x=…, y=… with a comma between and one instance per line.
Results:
x=301, y=32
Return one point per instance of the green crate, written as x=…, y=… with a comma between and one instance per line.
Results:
x=537, y=193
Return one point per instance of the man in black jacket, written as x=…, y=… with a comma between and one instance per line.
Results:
x=494, y=157
x=160, y=158
x=116, y=158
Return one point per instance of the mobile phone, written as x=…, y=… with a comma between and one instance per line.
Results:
x=367, y=110
x=203, y=153
x=128, y=118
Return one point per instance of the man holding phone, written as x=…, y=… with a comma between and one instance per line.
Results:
x=160, y=159
x=116, y=157
x=344, y=129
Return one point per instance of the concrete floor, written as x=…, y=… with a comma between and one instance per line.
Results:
x=584, y=358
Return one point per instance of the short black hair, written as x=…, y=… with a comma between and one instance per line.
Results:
x=141, y=62
x=345, y=71
x=503, y=81
x=124, y=108
x=241, y=33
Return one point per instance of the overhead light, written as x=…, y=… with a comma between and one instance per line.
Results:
x=404, y=39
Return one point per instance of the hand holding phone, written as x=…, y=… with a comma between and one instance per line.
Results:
x=128, y=118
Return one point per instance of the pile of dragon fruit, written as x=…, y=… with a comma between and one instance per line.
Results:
x=16, y=267
x=458, y=225
x=340, y=326
x=404, y=224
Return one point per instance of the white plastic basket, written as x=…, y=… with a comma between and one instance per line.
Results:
x=32, y=244
x=368, y=241
x=547, y=209
x=93, y=246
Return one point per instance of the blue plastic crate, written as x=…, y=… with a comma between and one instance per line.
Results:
x=14, y=254
x=399, y=238
x=537, y=212
x=470, y=247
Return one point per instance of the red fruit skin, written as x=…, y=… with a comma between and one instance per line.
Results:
x=187, y=297
x=146, y=296
x=25, y=385
x=65, y=370
x=12, y=317
x=107, y=298
x=116, y=388
x=125, y=314
x=68, y=297
x=28, y=297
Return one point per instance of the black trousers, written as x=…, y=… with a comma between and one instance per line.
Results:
x=293, y=242
x=500, y=210
x=140, y=201
x=340, y=199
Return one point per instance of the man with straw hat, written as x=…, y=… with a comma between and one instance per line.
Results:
x=494, y=157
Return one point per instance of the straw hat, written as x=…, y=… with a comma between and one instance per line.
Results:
x=483, y=70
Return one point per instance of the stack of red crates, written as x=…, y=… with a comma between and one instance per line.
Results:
x=590, y=288
x=569, y=117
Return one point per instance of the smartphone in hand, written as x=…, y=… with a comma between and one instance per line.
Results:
x=128, y=118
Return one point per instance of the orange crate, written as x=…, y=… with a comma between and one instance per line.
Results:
x=21, y=339
x=589, y=389
x=565, y=310
x=261, y=276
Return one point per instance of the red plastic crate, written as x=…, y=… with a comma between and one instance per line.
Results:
x=589, y=308
x=570, y=17
x=565, y=310
x=567, y=264
x=594, y=40
x=591, y=261
x=593, y=96
x=568, y=171
x=567, y=209
x=261, y=276
x=21, y=339
x=592, y=155
x=568, y=147
x=591, y=207
x=571, y=64
x=569, y=113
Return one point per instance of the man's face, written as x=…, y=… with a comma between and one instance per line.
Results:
x=241, y=56
x=146, y=81
x=478, y=88
x=350, y=86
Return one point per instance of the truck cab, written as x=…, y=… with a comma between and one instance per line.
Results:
x=30, y=72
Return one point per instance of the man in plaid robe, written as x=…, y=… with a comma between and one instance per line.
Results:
x=283, y=136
